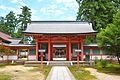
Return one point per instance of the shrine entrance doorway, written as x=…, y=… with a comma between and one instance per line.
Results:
x=59, y=52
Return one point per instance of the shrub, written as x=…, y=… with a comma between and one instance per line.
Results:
x=103, y=63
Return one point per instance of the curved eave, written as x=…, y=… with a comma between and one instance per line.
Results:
x=60, y=33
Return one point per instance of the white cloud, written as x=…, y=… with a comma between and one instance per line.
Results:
x=35, y=18
x=7, y=8
x=3, y=7
x=39, y=0
x=19, y=2
x=51, y=10
x=72, y=4
x=64, y=1
x=71, y=18
x=14, y=1
x=33, y=11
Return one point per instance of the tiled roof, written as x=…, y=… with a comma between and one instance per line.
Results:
x=8, y=38
x=59, y=27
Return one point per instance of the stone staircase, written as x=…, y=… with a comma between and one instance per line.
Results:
x=20, y=62
x=34, y=63
x=50, y=63
x=60, y=63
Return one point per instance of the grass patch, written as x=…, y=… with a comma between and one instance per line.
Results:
x=81, y=74
x=45, y=70
x=113, y=69
x=3, y=76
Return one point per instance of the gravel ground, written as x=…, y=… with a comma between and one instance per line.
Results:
x=102, y=76
x=22, y=73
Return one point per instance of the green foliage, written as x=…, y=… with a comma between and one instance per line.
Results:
x=90, y=39
x=24, y=17
x=110, y=35
x=97, y=12
x=103, y=63
x=81, y=74
x=15, y=26
x=5, y=50
x=4, y=77
x=113, y=69
x=96, y=61
x=3, y=28
x=11, y=22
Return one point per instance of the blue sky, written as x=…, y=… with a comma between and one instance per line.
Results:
x=42, y=9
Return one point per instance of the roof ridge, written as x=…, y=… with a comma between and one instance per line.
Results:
x=59, y=21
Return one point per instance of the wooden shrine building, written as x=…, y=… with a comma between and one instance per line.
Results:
x=59, y=39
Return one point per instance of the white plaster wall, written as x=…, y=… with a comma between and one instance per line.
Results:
x=104, y=56
x=96, y=57
x=13, y=57
x=1, y=58
x=31, y=57
x=4, y=57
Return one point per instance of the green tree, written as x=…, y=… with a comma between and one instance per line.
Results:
x=24, y=17
x=3, y=28
x=11, y=22
x=97, y=12
x=111, y=35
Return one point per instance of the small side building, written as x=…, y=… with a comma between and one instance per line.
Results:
x=20, y=50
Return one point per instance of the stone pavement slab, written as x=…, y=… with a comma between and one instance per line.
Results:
x=60, y=73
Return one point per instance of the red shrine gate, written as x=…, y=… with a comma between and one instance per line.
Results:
x=59, y=38
x=59, y=46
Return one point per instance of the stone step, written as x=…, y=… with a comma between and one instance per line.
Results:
x=21, y=62
x=34, y=63
x=51, y=63
x=59, y=63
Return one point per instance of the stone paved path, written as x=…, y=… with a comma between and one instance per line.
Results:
x=60, y=73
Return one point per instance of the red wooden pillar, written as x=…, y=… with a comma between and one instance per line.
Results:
x=41, y=57
x=17, y=54
x=82, y=50
x=28, y=54
x=91, y=53
x=67, y=51
x=69, y=47
x=78, y=58
x=36, y=50
x=49, y=49
x=101, y=52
